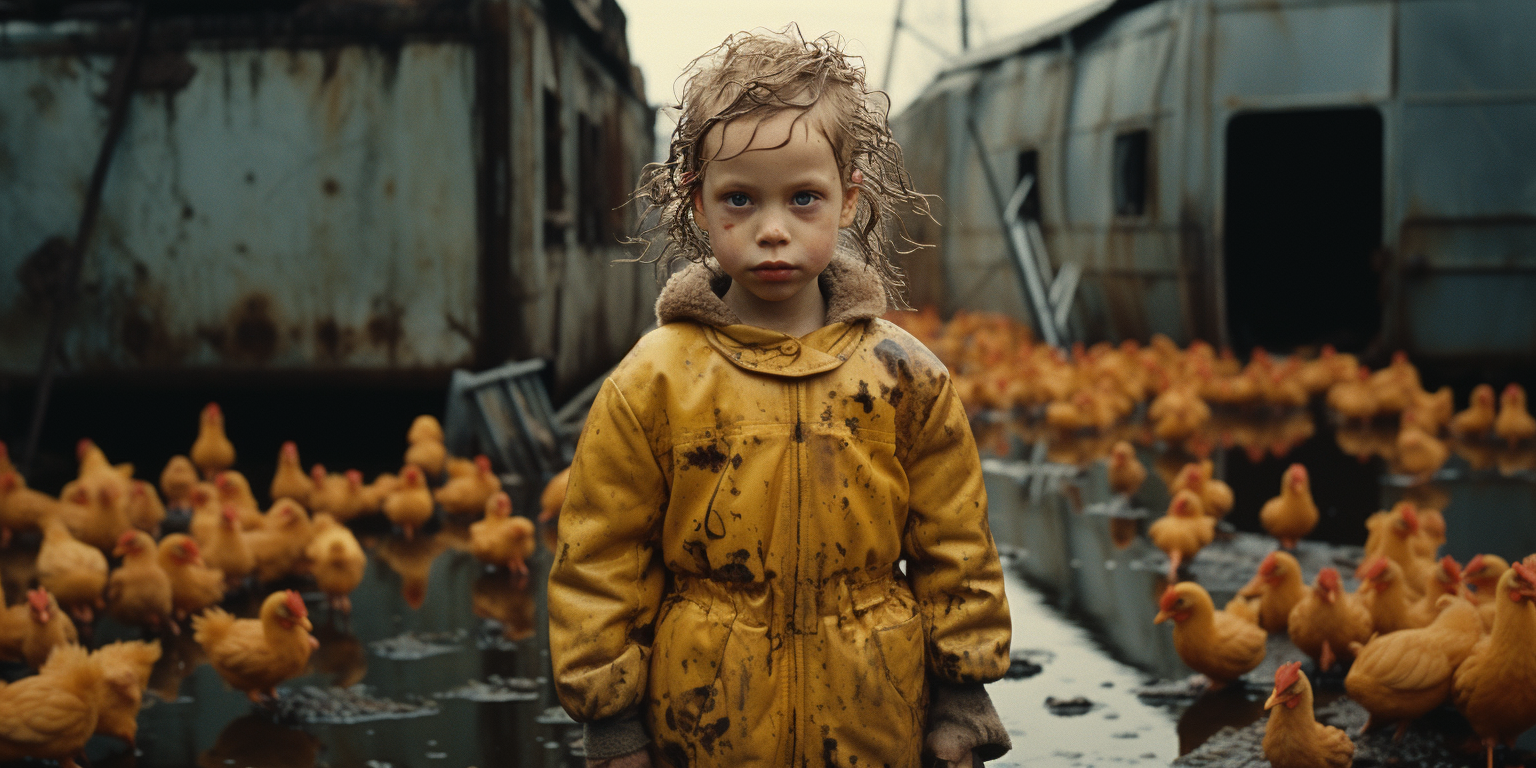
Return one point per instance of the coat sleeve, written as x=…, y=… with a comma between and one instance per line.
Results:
x=607, y=579
x=952, y=560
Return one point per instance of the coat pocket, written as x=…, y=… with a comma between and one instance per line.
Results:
x=687, y=660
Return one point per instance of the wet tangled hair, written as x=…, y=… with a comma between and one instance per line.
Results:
x=756, y=75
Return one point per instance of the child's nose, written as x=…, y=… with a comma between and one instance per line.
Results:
x=772, y=232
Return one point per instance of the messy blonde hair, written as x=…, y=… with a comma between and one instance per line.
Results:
x=757, y=75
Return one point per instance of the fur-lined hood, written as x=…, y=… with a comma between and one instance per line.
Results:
x=853, y=292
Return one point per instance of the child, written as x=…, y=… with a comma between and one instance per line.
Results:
x=774, y=548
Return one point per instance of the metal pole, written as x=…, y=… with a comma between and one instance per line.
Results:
x=890, y=56
x=119, y=95
x=965, y=25
x=1022, y=261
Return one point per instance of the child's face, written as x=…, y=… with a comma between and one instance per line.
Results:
x=773, y=214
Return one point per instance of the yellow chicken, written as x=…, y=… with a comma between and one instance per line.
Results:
x=212, y=452
x=1495, y=687
x=1183, y=531
x=278, y=546
x=1514, y=423
x=50, y=715
x=410, y=505
x=73, y=572
x=336, y=561
x=254, y=655
x=467, y=494
x=1478, y=418
x=139, y=591
x=290, y=481
x=194, y=586
x=1292, y=514
x=1401, y=676
x=118, y=715
x=1293, y=738
x=1328, y=620
x=502, y=538
x=1214, y=643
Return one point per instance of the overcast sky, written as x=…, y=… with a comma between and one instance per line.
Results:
x=664, y=35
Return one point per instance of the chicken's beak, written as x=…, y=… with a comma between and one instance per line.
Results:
x=1278, y=697
x=1161, y=617
x=305, y=623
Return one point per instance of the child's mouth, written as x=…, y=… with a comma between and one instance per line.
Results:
x=774, y=271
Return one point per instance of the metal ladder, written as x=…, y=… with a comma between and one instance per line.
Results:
x=508, y=412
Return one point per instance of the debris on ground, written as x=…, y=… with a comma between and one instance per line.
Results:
x=412, y=646
x=345, y=706
x=494, y=688
x=1077, y=705
x=1023, y=664
x=554, y=716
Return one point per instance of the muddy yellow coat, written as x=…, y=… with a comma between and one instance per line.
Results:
x=729, y=548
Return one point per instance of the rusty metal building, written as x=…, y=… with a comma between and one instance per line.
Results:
x=357, y=191
x=1253, y=172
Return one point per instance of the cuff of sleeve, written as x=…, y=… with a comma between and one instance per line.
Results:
x=615, y=736
x=961, y=719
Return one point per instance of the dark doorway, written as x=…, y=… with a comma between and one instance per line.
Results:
x=1303, y=225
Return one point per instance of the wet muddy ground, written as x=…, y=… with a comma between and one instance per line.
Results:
x=462, y=678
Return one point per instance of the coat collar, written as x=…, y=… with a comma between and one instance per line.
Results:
x=854, y=294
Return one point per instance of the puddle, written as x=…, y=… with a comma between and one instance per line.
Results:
x=345, y=706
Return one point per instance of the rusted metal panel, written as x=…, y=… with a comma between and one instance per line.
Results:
x=1302, y=53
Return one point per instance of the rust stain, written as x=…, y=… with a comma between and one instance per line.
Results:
x=166, y=71
x=253, y=333
x=330, y=187
x=334, y=342
x=384, y=326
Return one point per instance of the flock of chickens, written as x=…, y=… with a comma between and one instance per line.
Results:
x=180, y=579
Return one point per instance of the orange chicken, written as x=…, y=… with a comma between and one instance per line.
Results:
x=337, y=495
x=212, y=452
x=1401, y=676
x=1514, y=423
x=1385, y=594
x=1495, y=688
x=99, y=513
x=1278, y=588
x=427, y=455
x=235, y=491
x=1419, y=453
x=1183, y=531
x=227, y=549
x=336, y=561
x=1199, y=477
x=29, y=631
x=502, y=538
x=21, y=508
x=290, y=481
x=467, y=494
x=1293, y=738
x=254, y=655
x=1327, y=620
x=74, y=572
x=424, y=427
x=409, y=506
x=176, y=481
x=139, y=591
x=1292, y=514
x=1214, y=643
x=1353, y=399
x=1478, y=418
x=51, y=715
x=119, y=712
x=553, y=496
x=194, y=586
x=1126, y=472
x=1479, y=582
x=278, y=546
x=1400, y=536
x=145, y=510
x=370, y=498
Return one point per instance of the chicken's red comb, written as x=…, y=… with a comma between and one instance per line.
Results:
x=355, y=476
x=1525, y=571
x=411, y=473
x=1475, y=564
x=81, y=447
x=1410, y=516
x=230, y=513
x=38, y=598
x=1329, y=351
x=1372, y=569
x=1269, y=564
x=1328, y=578
x=1513, y=388
x=1287, y=675
x=290, y=448
x=222, y=480
x=189, y=546
x=126, y=538
x=317, y=472
x=1449, y=567
x=5, y=452
x=212, y=409
x=1296, y=473
x=1170, y=596
x=483, y=462
x=295, y=603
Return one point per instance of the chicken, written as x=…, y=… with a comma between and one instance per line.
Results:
x=1479, y=582
x=1278, y=588
x=194, y=586
x=467, y=494
x=1214, y=643
x=410, y=505
x=235, y=491
x=119, y=712
x=254, y=655
x=1393, y=607
x=75, y=573
x=1495, y=688
x=51, y=715
x=1353, y=399
x=370, y=497
x=1477, y=419
x=227, y=549
x=1215, y=494
x=337, y=495
x=502, y=538
x=99, y=511
x=1183, y=531
x=424, y=427
x=176, y=482
x=1126, y=472
x=1400, y=537
x=290, y=481
x=212, y=452
x=1292, y=514
x=278, y=546
x=553, y=496
x=1401, y=676
x=29, y=631
x=1514, y=423
x=139, y=591
x=5, y=459
x=21, y=508
x=1327, y=620
x=1182, y=414
x=1419, y=453
x=145, y=510
x=336, y=560
x=427, y=454
x=1293, y=738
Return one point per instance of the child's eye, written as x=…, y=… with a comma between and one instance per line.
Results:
x=737, y=200
x=804, y=198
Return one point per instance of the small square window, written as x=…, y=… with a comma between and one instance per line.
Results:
x=1131, y=172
